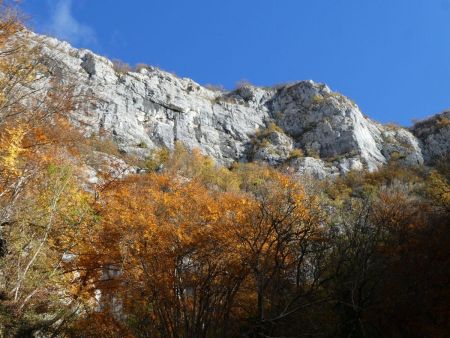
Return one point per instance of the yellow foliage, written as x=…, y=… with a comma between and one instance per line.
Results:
x=439, y=189
x=11, y=147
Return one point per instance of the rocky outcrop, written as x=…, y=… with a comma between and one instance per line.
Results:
x=101, y=167
x=326, y=124
x=310, y=166
x=153, y=108
x=271, y=145
x=434, y=136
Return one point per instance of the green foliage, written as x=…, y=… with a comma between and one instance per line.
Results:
x=157, y=158
x=142, y=145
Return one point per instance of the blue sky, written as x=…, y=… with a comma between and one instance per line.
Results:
x=391, y=56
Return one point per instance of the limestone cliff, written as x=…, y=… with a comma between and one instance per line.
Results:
x=304, y=125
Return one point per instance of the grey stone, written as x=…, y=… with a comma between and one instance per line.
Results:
x=153, y=108
x=434, y=136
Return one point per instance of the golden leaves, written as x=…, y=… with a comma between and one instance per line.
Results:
x=10, y=148
x=439, y=189
x=181, y=240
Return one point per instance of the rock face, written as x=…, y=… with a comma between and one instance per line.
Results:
x=151, y=108
x=434, y=136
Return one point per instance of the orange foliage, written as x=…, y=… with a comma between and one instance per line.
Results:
x=178, y=253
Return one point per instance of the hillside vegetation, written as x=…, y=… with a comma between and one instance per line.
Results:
x=188, y=248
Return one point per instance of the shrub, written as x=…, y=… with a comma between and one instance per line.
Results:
x=142, y=145
x=317, y=99
x=392, y=126
x=243, y=83
x=141, y=66
x=296, y=153
x=103, y=145
x=272, y=127
x=157, y=157
x=313, y=153
x=443, y=121
x=121, y=67
x=224, y=99
x=395, y=156
x=261, y=138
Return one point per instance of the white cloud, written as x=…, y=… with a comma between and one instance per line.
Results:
x=65, y=26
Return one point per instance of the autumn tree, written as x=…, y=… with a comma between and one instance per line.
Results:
x=179, y=254
x=279, y=243
x=388, y=256
x=193, y=249
x=41, y=201
x=164, y=259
